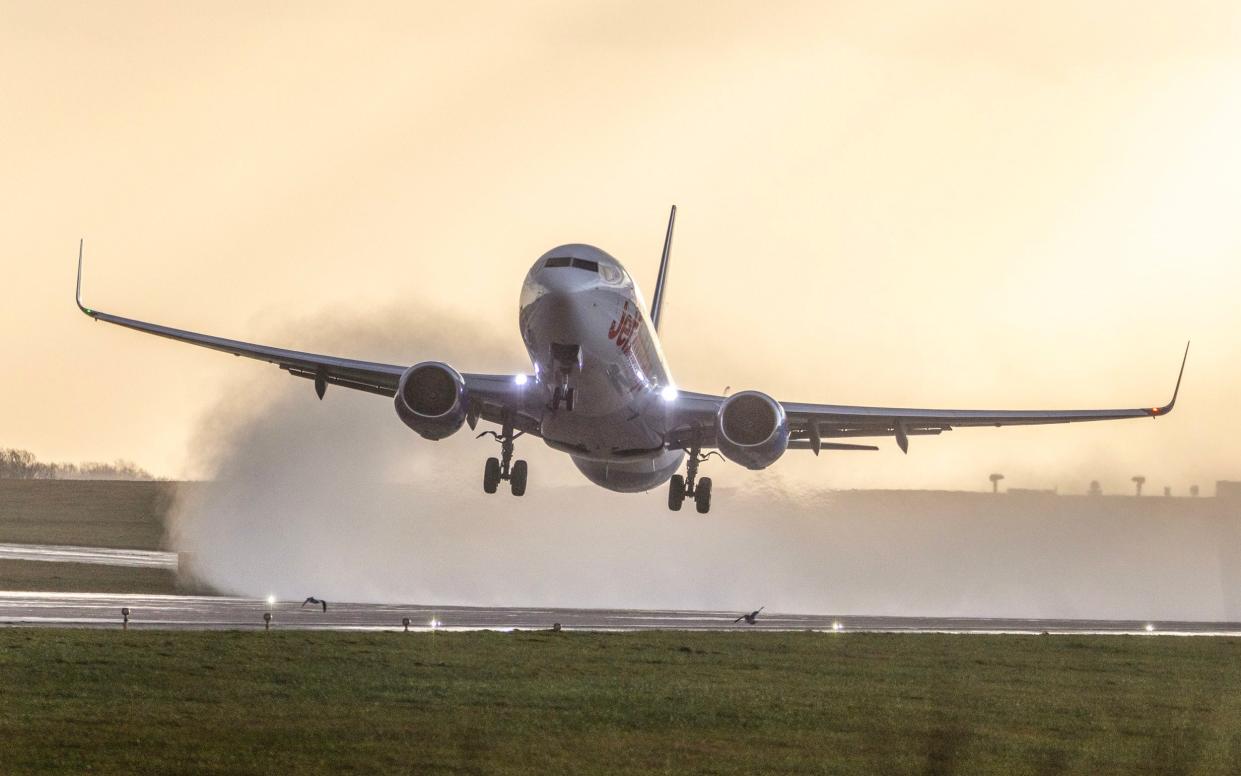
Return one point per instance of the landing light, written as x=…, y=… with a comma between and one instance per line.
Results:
x=669, y=393
x=435, y=623
x=836, y=626
x=271, y=600
x=520, y=379
x=1150, y=627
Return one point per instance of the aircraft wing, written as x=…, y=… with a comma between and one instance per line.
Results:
x=493, y=395
x=810, y=424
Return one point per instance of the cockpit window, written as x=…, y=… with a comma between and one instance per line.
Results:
x=565, y=261
x=611, y=274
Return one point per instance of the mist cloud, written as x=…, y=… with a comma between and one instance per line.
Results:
x=338, y=499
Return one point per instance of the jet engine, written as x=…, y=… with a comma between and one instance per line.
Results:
x=752, y=429
x=431, y=399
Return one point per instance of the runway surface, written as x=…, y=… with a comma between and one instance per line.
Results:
x=97, y=610
x=57, y=553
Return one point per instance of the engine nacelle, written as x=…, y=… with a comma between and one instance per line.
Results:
x=431, y=399
x=752, y=429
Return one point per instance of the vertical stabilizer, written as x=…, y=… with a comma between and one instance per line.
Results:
x=661, y=283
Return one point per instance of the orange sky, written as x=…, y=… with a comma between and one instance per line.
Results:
x=930, y=204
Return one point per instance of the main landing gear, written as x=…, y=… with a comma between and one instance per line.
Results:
x=689, y=486
x=504, y=467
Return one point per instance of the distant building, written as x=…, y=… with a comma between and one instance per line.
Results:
x=1230, y=489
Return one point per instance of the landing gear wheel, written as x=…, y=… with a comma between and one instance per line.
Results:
x=565, y=395
x=676, y=492
x=491, y=475
x=517, y=478
x=504, y=467
x=702, y=496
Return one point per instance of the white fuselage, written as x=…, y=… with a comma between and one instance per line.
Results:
x=586, y=328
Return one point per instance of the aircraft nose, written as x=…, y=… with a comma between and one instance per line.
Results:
x=562, y=289
x=561, y=300
x=562, y=282
x=559, y=310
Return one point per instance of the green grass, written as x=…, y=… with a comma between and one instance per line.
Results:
x=86, y=577
x=722, y=703
x=88, y=513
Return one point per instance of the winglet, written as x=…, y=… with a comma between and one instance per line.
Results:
x=657, y=301
x=78, y=293
x=1165, y=409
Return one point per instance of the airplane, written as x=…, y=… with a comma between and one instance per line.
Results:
x=600, y=390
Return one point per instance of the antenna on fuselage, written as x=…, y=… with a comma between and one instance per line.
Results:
x=657, y=302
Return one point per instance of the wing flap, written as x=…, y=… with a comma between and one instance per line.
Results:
x=328, y=378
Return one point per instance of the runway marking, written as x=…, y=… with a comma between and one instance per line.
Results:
x=103, y=556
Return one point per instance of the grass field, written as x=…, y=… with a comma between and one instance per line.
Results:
x=83, y=577
x=526, y=703
x=88, y=513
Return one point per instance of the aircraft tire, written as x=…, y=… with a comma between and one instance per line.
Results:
x=702, y=496
x=491, y=475
x=676, y=492
x=517, y=478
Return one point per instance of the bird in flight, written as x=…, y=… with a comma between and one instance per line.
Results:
x=312, y=600
x=749, y=618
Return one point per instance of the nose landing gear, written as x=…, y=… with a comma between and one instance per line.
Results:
x=504, y=467
x=562, y=394
x=566, y=362
x=689, y=486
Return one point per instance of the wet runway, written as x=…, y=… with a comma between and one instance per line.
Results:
x=96, y=610
x=104, y=556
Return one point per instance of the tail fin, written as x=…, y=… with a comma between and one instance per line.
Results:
x=657, y=302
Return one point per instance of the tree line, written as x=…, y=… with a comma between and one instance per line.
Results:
x=23, y=465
